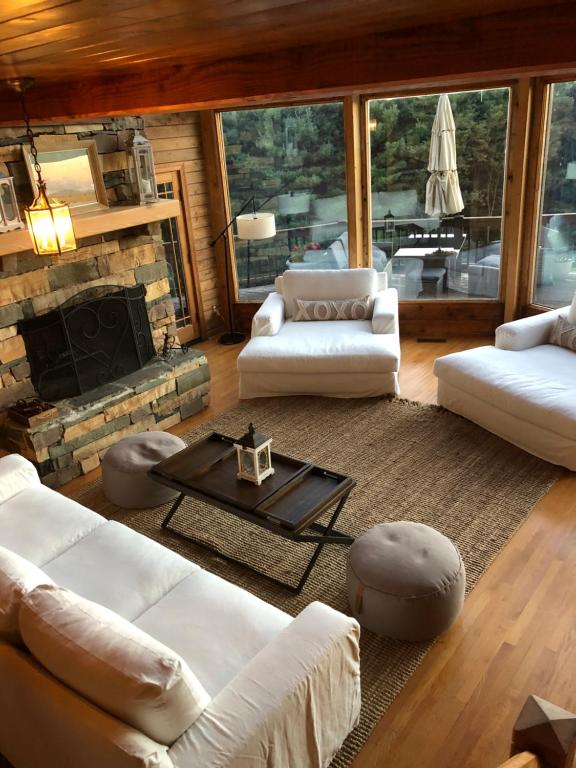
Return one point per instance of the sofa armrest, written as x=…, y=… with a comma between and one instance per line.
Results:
x=270, y=317
x=385, y=312
x=16, y=473
x=293, y=704
x=527, y=332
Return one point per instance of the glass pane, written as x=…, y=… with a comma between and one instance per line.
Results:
x=440, y=244
x=166, y=190
x=291, y=159
x=176, y=279
x=172, y=248
x=555, y=273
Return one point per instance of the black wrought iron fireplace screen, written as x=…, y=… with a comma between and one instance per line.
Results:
x=96, y=337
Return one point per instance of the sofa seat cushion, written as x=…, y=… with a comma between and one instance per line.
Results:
x=17, y=577
x=537, y=385
x=112, y=663
x=214, y=625
x=39, y=524
x=120, y=569
x=322, y=347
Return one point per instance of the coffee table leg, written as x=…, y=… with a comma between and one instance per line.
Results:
x=328, y=536
x=320, y=546
x=173, y=510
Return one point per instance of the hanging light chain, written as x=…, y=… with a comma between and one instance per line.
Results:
x=30, y=135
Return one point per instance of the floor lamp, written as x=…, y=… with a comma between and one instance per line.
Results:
x=258, y=225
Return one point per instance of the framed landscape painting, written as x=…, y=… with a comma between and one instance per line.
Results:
x=72, y=174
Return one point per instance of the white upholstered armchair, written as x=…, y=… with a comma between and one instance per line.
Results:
x=335, y=358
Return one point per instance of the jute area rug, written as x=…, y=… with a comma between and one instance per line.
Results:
x=411, y=462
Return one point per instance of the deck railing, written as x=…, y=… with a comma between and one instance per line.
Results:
x=260, y=262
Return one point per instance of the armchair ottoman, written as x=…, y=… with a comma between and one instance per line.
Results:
x=343, y=358
x=523, y=389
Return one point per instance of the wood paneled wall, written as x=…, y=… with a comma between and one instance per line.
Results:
x=176, y=140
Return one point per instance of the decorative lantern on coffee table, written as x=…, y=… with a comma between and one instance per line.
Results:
x=254, y=456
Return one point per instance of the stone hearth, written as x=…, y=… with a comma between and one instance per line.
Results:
x=156, y=397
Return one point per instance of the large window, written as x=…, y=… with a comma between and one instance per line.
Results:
x=555, y=272
x=431, y=246
x=293, y=158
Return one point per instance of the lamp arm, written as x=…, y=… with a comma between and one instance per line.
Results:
x=251, y=201
x=245, y=205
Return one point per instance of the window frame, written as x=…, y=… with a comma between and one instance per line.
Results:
x=398, y=93
x=351, y=123
x=540, y=128
x=528, y=107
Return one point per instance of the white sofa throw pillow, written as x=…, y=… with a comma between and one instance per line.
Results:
x=111, y=662
x=18, y=576
x=334, y=309
x=564, y=333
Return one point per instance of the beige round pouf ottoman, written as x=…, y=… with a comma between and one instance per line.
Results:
x=405, y=581
x=126, y=464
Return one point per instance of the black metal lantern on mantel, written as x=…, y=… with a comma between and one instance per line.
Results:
x=254, y=456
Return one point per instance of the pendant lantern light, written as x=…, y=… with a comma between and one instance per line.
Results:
x=49, y=220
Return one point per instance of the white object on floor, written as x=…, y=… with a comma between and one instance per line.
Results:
x=125, y=469
x=523, y=389
x=273, y=679
x=338, y=358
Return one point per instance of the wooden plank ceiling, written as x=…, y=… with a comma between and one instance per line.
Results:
x=94, y=41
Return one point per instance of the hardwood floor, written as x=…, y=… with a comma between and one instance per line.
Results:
x=516, y=635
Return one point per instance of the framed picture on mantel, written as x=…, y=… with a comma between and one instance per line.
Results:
x=72, y=173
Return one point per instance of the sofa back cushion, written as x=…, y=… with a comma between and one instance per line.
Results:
x=325, y=284
x=111, y=662
x=17, y=577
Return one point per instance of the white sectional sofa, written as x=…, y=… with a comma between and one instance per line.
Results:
x=335, y=358
x=283, y=691
x=522, y=389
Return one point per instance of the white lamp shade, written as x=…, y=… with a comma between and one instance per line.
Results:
x=256, y=226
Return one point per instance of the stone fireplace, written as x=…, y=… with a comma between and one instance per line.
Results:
x=85, y=331
x=96, y=337
x=49, y=318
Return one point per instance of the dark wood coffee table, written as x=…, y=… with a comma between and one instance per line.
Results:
x=288, y=503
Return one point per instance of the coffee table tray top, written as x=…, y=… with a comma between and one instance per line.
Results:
x=293, y=496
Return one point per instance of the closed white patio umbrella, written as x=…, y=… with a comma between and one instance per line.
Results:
x=443, y=196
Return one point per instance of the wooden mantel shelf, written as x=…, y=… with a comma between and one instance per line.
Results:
x=98, y=222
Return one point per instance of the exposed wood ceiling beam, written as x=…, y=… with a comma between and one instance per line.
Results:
x=509, y=43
